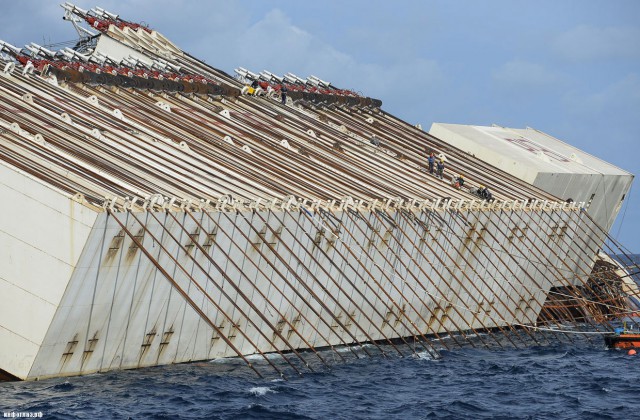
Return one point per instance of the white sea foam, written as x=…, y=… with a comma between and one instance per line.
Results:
x=224, y=360
x=271, y=356
x=424, y=355
x=353, y=347
x=259, y=391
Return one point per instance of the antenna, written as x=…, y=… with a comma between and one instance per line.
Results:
x=76, y=15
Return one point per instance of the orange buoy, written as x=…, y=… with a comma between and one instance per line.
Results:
x=631, y=352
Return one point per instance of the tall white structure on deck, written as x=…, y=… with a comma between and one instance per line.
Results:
x=546, y=162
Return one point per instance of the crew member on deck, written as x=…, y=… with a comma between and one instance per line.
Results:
x=440, y=169
x=431, y=160
x=484, y=193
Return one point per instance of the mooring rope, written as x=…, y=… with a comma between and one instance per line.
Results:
x=559, y=330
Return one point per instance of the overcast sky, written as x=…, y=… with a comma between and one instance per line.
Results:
x=568, y=68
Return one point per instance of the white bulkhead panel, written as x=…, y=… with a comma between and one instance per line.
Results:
x=42, y=234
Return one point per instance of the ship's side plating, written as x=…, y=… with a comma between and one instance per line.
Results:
x=290, y=279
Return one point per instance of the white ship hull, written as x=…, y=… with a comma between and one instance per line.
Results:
x=271, y=280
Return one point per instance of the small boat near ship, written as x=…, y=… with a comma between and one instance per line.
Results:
x=622, y=339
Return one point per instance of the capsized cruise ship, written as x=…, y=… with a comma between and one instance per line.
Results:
x=159, y=210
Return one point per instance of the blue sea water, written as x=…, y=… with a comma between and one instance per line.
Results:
x=559, y=381
x=563, y=380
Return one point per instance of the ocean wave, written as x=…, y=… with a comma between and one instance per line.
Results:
x=260, y=391
x=561, y=381
x=424, y=355
x=65, y=386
